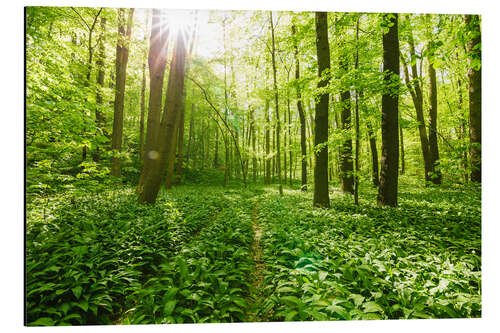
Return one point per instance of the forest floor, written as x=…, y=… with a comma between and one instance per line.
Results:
x=214, y=254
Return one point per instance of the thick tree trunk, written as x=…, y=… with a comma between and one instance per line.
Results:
x=168, y=130
x=388, y=188
x=157, y=63
x=121, y=73
x=321, y=197
x=99, y=115
x=474, y=76
x=433, y=143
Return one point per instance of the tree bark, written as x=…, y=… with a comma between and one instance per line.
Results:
x=374, y=154
x=346, y=166
x=321, y=197
x=157, y=63
x=417, y=97
x=166, y=138
x=121, y=73
x=474, y=76
x=388, y=188
x=433, y=143
x=143, y=111
x=402, y=143
x=267, y=142
x=356, y=154
x=99, y=115
x=276, y=105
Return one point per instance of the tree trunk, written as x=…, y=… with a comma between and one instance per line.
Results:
x=166, y=138
x=356, y=120
x=99, y=115
x=276, y=105
x=374, y=153
x=388, y=188
x=417, y=97
x=346, y=167
x=401, y=142
x=143, y=111
x=474, y=76
x=321, y=197
x=433, y=144
x=461, y=133
x=267, y=141
x=121, y=73
x=157, y=63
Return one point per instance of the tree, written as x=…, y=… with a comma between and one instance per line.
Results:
x=388, y=188
x=99, y=114
x=157, y=57
x=276, y=105
x=346, y=167
x=433, y=114
x=414, y=86
x=321, y=197
x=122, y=45
x=165, y=145
x=474, y=76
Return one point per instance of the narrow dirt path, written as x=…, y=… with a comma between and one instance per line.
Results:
x=257, y=278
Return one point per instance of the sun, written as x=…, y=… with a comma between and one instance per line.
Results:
x=179, y=20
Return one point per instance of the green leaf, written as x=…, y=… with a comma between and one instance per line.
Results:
x=169, y=307
x=77, y=291
x=43, y=321
x=372, y=307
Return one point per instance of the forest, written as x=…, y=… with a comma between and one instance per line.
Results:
x=216, y=166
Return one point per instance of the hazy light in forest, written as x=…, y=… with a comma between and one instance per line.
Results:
x=153, y=154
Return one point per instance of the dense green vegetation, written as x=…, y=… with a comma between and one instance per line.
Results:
x=232, y=166
x=190, y=258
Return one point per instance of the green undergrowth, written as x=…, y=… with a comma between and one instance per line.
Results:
x=86, y=254
x=419, y=260
x=99, y=257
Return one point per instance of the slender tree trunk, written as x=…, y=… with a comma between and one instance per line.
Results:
x=433, y=143
x=474, y=76
x=461, y=133
x=254, y=152
x=374, y=154
x=356, y=121
x=388, y=188
x=143, y=111
x=417, y=97
x=121, y=73
x=180, y=147
x=99, y=115
x=289, y=137
x=276, y=105
x=303, y=148
x=191, y=129
x=267, y=141
x=401, y=142
x=321, y=197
